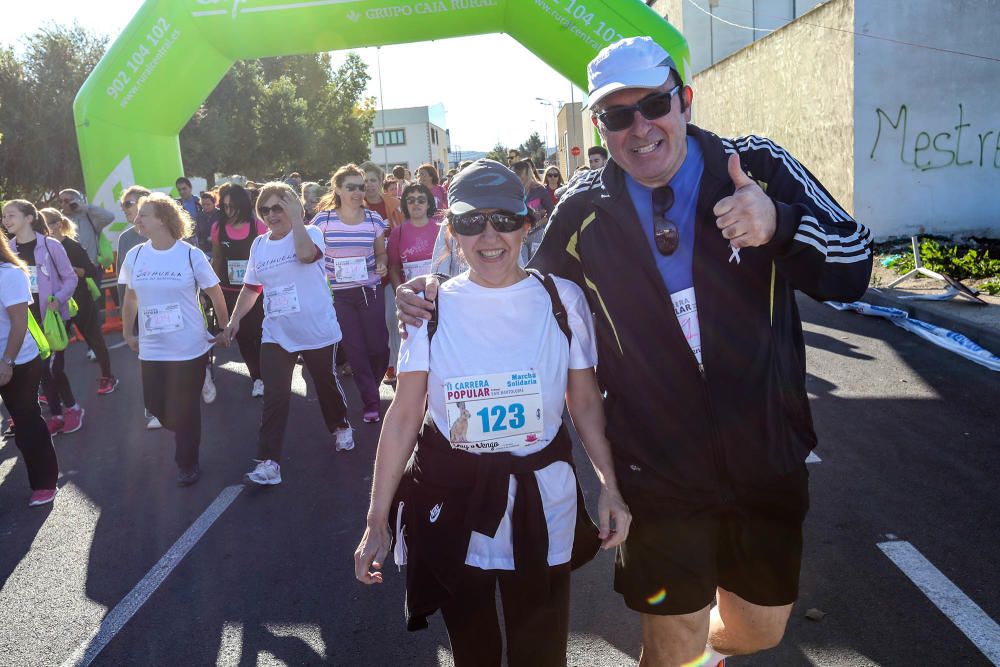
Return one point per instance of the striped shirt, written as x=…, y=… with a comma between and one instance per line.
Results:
x=346, y=241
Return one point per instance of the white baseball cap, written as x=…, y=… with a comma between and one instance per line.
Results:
x=633, y=62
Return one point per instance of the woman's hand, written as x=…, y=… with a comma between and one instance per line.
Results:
x=614, y=517
x=229, y=333
x=53, y=304
x=131, y=341
x=381, y=269
x=293, y=206
x=6, y=373
x=371, y=553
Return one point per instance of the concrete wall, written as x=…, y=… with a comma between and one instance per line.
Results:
x=570, y=131
x=795, y=86
x=938, y=170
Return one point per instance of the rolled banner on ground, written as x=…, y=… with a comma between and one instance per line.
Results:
x=945, y=338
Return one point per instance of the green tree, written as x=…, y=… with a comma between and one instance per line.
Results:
x=294, y=113
x=39, y=155
x=534, y=148
x=498, y=153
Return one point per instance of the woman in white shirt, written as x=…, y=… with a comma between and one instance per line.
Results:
x=20, y=372
x=299, y=319
x=163, y=277
x=490, y=496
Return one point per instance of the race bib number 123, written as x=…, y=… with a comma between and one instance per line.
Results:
x=494, y=412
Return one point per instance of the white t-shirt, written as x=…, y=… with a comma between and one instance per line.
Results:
x=15, y=289
x=506, y=337
x=166, y=284
x=298, y=308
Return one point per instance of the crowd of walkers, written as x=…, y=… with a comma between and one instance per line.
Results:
x=691, y=406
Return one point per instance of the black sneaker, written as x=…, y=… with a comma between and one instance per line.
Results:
x=187, y=477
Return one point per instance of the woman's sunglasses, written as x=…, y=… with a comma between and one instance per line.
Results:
x=651, y=107
x=471, y=224
x=414, y=201
x=127, y=204
x=277, y=209
x=354, y=187
x=665, y=233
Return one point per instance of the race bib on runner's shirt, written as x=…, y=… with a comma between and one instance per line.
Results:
x=33, y=278
x=413, y=269
x=686, y=310
x=350, y=269
x=163, y=318
x=236, y=268
x=494, y=413
x=283, y=300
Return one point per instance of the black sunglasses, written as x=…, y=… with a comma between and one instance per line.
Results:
x=278, y=209
x=651, y=107
x=471, y=224
x=665, y=233
x=413, y=201
x=354, y=187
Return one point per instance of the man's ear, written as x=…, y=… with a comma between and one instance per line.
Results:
x=687, y=97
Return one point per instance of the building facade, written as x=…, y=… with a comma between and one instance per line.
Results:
x=411, y=137
x=897, y=116
x=569, y=126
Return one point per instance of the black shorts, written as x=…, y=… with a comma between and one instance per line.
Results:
x=676, y=557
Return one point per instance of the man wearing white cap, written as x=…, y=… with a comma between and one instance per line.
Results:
x=689, y=248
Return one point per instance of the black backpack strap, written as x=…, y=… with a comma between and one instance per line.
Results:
x=558, y=310
x=432, y=324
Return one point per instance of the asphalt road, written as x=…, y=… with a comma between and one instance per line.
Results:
x=908, y=442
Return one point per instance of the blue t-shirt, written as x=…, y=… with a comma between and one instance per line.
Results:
x=675, y=269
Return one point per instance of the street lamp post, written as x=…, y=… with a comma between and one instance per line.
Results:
x=555, y=121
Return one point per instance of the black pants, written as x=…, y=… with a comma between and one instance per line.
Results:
x=536, y=622
x=251, y=330
x=276, y=365
x=55, y=384
x=172, y=393
x=88, y=322
x=31, y=436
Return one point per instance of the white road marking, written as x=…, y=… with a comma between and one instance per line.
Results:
x=813, y=458
x=969, y=617
x=117, y=345
x=230, y=645
x=138, y=596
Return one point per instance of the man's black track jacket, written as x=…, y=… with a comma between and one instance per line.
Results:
x=677, y=433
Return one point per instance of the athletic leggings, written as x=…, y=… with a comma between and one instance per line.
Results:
x=361, y=314
x=249, y=335
x=172, y=393
x=88, y=322
x=31, y=436
x=55, y=383
x=277, y=365
x=536, y=621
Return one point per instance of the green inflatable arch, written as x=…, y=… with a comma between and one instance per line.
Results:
x=173, y=53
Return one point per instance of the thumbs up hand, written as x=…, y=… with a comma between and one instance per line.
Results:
x=747, y=218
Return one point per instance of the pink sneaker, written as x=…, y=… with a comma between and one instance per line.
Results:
x=72, y=419
x=55, y=425
x=42, y=497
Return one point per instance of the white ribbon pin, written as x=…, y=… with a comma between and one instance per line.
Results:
x=735, y=254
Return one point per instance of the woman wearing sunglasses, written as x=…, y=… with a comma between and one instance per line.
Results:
x=299, y=319
x=232, y=237
x=355, y=264
x=53, y=281
x=63, y=229
x=553, y=181
x=490, y=496
x=412, y=243
x=165, y=277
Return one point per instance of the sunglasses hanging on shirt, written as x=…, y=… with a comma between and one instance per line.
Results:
x=665, y=233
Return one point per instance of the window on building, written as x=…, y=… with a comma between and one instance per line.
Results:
x=390, y=137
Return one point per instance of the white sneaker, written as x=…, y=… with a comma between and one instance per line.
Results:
x=345, y=439
x=153, y=424
x=208, y=392
x=267, y=473
x=91, y=355
x=258, y=388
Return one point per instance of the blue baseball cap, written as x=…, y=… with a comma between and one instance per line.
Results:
x=486, y=184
